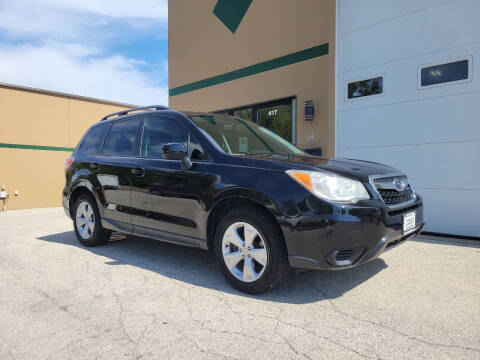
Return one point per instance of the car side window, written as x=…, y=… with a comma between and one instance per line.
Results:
x=195, y=151
x=161, y=130
x=92, y=143
x=121, y=139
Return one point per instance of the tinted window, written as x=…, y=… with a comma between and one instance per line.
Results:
x=93, y=141
x=161, y=130
x=366, y=87
x=195, y=151
x=121, y=139
x=438, y=74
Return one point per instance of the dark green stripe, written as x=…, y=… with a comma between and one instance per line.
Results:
x=36, y=147
x=276, y=63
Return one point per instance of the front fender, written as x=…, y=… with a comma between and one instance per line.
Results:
x=242, y=192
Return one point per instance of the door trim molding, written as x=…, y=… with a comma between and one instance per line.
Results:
x=166, y=236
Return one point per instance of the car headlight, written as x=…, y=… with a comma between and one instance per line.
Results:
x=330, y=186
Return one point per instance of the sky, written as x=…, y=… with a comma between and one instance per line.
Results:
x=109, y=49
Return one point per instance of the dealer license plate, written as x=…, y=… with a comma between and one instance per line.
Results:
x=408, y=223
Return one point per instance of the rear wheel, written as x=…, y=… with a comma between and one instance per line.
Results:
x=87, y=222
x=251, y=250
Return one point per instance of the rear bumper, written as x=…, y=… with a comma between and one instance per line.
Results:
x=67, y=211
x=65, y=203
x=348, y=236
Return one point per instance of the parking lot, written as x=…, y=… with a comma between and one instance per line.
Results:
x=138, y=298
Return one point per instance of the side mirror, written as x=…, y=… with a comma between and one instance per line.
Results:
x=177, y=151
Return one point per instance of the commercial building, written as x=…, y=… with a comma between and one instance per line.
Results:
x=38, y=131
x=390, y=81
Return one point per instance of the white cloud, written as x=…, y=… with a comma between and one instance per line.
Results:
x=66, y=45
x=112, y=78
x=74, y=18
x=151, y=9
x=38, y=23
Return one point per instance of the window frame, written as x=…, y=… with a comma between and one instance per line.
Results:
x=383, y=75
x=469, y=58
x=112, y=123
x=190, y=135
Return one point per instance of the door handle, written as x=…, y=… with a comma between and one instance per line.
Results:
x=95, y=166
x=138, y=172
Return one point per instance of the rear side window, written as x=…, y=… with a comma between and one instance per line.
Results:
x=93, y=141
x=121, y=139
x=161, y=130
x=195, y=151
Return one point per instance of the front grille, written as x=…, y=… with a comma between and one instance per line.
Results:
x=387, y=189
x=392, y=197
x=404, y=210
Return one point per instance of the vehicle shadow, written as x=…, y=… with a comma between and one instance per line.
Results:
x=198, y=267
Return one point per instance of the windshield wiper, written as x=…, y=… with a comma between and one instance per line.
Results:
x=256, y=153
x=288, y=154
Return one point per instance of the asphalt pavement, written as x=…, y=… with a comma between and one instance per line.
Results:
x=138, y=298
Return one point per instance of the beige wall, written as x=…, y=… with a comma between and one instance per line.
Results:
x=200, y=46
x=37, y=118
x=37, y=175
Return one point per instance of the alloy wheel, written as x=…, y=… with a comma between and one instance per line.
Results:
x=244, y=252
x=85, y=220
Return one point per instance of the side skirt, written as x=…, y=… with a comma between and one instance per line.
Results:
x=169, y=237
x=154, y=234
x=117, y=226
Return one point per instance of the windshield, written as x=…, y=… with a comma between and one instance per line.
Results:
x=237, y=136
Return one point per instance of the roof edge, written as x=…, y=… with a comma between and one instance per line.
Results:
x=64, y=95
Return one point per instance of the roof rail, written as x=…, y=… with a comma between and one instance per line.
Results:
x=125, y=112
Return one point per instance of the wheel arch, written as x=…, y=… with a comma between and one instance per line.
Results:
x=82, y=186
x=237, y=198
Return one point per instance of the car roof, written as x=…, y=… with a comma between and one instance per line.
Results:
x=152, y=109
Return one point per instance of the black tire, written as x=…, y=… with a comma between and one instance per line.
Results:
x=277, y=268
x=99, y=235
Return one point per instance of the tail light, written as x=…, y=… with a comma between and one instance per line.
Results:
x=68, y=163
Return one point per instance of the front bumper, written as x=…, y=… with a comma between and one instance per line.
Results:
x=347, y=235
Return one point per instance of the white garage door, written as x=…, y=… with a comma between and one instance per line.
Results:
x=421, y=111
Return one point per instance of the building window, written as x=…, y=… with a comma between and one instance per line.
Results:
x=448, y=72
x=277, y=116
x=245, y=113
x=365, y=87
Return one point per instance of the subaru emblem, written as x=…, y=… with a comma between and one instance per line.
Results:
x=400, y=184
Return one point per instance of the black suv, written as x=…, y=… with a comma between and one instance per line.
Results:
x=221, y=183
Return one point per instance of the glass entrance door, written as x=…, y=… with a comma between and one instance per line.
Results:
x=277, y=116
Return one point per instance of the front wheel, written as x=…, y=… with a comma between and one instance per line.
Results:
x=251, y=250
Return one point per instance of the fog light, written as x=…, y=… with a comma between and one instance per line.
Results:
x=345, y=257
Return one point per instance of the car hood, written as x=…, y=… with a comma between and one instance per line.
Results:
x=356, y=169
